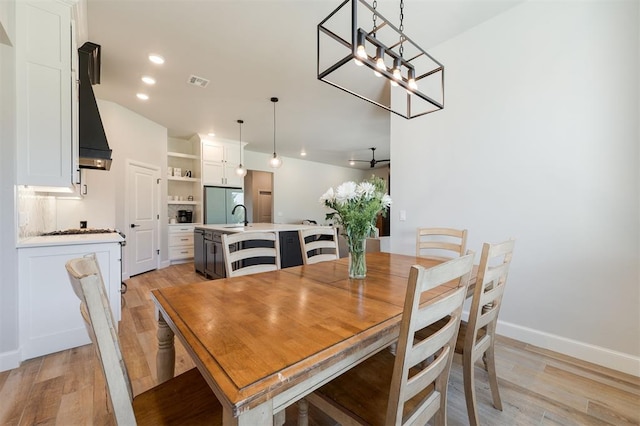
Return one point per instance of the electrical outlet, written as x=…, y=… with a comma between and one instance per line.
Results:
x=403, y=215
x=83, y=224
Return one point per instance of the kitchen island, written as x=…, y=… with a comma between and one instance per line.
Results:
x=208, y=255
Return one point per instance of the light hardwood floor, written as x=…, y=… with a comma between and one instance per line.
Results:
x=538, y=387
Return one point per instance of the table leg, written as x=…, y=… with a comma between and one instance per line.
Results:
x=260, y=415
x=303, y=412
x=166, y=358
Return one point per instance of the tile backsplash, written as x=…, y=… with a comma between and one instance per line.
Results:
x=36, y=213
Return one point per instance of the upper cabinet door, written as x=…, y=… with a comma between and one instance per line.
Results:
x=212, y=151
x=44, y=93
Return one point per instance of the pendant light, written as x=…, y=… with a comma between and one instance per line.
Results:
x=240, y=170
x=275, y=162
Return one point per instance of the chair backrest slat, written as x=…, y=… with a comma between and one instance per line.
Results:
x=86, y=280
x=441, y=242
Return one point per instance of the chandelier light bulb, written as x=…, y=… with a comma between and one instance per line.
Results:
x=396, y=69
x=412, y=79
x=358, y=62
x=380, y=59
x=377, y=74
x=361, y=52
x=393, y=83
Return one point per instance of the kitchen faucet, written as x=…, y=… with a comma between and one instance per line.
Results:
x=246, y=222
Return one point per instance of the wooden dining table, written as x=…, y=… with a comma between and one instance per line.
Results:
x=264, y=341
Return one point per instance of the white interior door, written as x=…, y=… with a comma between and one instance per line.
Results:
x=142, y=235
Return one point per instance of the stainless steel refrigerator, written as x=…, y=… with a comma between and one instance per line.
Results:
x=219, y=202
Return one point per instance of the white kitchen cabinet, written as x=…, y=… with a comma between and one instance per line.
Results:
x=219, y=162
x=44, y=78
x=181, y=242
x=49, y=311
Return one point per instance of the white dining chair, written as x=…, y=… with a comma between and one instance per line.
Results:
x=250, y=252
x=184, y=399
x=318, y=244
x=393, y=390
x=477, y=336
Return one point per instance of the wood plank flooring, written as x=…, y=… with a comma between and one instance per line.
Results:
x=538, y=387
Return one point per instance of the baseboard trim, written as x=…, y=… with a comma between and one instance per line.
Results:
x=9, y=360
x=614, y=360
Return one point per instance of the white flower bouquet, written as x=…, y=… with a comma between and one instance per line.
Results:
x=356, y=207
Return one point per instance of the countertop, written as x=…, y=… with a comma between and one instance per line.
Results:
x=257, y=227
x=65, y=240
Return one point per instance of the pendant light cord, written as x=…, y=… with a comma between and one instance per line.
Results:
x=240, y=123
x=274, y=100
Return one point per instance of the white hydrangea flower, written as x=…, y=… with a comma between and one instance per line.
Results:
x=346, y=192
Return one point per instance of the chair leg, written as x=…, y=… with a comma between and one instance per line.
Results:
x=469, y=388
x=303, y=412
x=490, y=363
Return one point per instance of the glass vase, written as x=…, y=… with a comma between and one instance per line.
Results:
x=357, y=258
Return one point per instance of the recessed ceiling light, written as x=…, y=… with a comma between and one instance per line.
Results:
x=148, y=80
x=303, y=153
x=156, y=59
x=352, y=163
x=142, y=96
x=211, y=134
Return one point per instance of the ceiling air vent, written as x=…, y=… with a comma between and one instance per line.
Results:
x=198, y=81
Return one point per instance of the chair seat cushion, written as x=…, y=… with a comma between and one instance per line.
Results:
x=186, y=399
x=363, y=391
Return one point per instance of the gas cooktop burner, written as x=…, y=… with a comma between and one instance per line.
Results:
x=80, y=232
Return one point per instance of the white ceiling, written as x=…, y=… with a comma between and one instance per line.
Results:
x=251, y=51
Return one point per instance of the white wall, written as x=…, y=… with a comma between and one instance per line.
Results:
x=298, y=185
x=131, y=137
x=539, y=141
x=9, y=356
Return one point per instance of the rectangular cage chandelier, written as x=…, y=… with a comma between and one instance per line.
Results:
x=355, y=42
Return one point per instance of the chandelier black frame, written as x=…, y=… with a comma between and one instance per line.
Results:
x=384, y=49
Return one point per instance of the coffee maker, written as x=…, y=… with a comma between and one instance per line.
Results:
x=185, y=216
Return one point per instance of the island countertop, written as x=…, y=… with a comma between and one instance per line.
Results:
x=256, y=227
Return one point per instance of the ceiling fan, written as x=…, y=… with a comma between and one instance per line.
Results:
x=373, y=160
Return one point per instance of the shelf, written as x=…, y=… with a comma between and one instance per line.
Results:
x=183, y=203
x=183, y=179
x=181, y=155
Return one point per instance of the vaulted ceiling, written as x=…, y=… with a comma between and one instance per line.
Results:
x=250, y=51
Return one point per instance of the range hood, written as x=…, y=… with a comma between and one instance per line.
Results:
x=94, y=149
